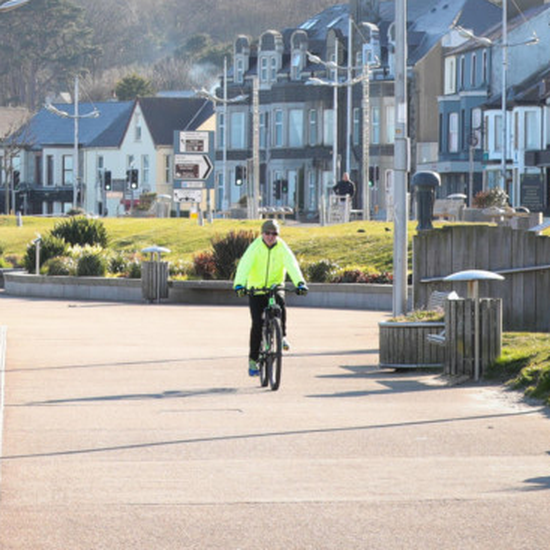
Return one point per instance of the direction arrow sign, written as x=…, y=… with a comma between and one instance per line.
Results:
x=192, y=167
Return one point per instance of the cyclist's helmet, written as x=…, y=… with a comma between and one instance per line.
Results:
x=270, y=225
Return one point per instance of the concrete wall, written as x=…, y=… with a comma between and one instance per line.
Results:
x=347, y=296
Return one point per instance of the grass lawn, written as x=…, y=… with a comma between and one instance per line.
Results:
x=366, y=244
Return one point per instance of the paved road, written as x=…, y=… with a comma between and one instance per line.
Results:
x=136, y=427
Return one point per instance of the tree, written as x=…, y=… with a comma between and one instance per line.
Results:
x=44, y=44
x=133, y=86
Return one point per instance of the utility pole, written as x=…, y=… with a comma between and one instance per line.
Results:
x=76, y=166
x=255, y=199
x=504, y=147
x=401, y=161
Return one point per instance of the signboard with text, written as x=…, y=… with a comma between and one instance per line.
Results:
x=193, y=159
x=532, y=192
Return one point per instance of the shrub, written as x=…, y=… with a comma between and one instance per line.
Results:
x=203, y=265
x=92, y=263
x=493, y=197
x=14, y=260
x=50, y=247
x=321, y=271
x=180, y=269
x=134, y=269
x=227, y=251
x=81, y=231
x=357, y=275
x=1, y=249
x=60, y=265
x=117, y=264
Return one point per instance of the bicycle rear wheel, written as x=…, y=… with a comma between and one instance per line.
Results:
x=275, y=356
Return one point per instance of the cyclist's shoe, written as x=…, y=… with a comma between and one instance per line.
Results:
x=253, y=368
x=286, y=344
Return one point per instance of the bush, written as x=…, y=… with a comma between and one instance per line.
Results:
x=321, y=271
x=117, y=264
x=1, y=249
x=50, y=247
x=134, y=269
x=357, y=275
x=203, y=265
x=228, y=250
x=180, y=269
x=60, y=265
x=81, y=231
x=493, y=197
x=92, y=263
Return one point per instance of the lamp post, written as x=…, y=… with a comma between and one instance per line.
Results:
x=75, y=116
x=224, y=101
x=335, y=84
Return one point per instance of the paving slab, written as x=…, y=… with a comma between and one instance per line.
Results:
x=132, y=426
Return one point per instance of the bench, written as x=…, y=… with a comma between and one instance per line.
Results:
x=275, y=212
x=448, y=209
x=437, y=301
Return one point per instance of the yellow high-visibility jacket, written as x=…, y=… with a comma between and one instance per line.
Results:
x=261, y=266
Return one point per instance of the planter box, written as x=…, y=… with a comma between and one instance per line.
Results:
x=404, y=345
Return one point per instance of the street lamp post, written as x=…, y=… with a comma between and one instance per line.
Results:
x=224, y=101
x=75, y=116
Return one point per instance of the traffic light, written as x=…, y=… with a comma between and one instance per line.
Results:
x=107, y=180
x=16, y=178
x=132, y=178
x=240, y=175
x=284, y=186
x=277, y=189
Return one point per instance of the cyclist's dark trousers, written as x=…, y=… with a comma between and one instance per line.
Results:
x=257, y=305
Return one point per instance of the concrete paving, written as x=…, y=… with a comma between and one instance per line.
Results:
x=136, y=427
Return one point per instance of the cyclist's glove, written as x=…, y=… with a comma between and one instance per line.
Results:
x=240, y=291
x=302, y=289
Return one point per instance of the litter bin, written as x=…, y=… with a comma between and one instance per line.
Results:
x=473, y=326
x=154, y=275
x=424, y=184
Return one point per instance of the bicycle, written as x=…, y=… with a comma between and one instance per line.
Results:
x=270, y=360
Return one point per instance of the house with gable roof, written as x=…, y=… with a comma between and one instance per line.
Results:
x=144, y=141
x=125, y=135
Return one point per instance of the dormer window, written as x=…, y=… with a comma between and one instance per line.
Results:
x=239, y=71
x=299, y=42
x=296, y=65
x=242, y=58
x=270, y=56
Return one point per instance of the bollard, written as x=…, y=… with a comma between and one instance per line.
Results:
x=424, y=184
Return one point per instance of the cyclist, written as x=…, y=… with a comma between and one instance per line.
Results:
x=264, y=264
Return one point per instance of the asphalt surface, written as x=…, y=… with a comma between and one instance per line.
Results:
x=137, y=427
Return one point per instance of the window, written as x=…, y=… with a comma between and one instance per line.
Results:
x=37, y=169
x=531, y=133
x=484, y=66
x=49, y=170
x=273, y=75
x=67, y=176
x=278, y=137
x=263, y=130
x=137, y=127
x=296, y=65
x=450, y=75
x=221, y=130
x=296, y=128
x=263, y=69
x=356, y=130
x=167, y=171
x=498, y=133
x=240, y=70
x=145, y=169
x=462, y=72
x=375, y=125
x=328, y=124
x=311, y=194
x=237, y=130
x=473, y=69
x=453, y=133
x=476, y=128
x=312, y=127
x=390, y=124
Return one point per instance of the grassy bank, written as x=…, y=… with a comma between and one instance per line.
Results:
x=358, y=243
x=524, y=364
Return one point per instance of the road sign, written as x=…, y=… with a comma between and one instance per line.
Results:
x=188, y=195
x=190, y=185
x=192, y=167
x=193, y=142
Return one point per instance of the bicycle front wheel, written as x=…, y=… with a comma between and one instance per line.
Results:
x=275, y=358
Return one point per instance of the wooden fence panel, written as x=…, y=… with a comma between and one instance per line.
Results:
x=542, y=286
